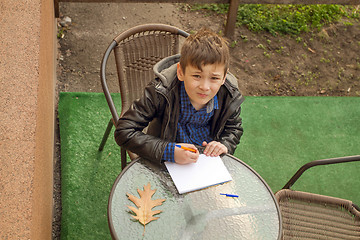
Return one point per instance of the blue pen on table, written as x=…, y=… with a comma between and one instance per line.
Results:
x=229, y=195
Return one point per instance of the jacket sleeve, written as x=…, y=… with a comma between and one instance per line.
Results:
x=233, y=130
x=129, y=128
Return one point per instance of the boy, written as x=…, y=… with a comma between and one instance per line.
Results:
x=193, y=101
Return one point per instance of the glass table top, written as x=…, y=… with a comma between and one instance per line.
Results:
x=203, y=214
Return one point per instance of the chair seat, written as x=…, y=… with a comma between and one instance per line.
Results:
x=312, y=216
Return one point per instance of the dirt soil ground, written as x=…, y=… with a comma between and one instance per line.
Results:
x=319, y=63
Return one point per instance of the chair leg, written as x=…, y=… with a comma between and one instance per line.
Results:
x=106, y=135
x=123, y=158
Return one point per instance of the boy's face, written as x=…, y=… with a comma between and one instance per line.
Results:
x=202, y=85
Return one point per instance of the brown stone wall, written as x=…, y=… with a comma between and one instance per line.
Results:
x=27, y=82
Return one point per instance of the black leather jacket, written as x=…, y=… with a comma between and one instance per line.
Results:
x=159, y=109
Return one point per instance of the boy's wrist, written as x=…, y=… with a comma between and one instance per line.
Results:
x=169, y=152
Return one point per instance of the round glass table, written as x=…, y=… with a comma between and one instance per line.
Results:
x=202, y=214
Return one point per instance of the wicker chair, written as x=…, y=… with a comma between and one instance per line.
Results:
x=313, y=216
x=136, y=51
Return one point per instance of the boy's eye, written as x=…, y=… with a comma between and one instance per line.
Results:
x=196, y=76
x=215, y=78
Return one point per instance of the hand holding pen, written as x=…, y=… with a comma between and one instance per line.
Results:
x=185, y=153
x=186, y=148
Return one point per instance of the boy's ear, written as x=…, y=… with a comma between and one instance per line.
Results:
x=179, y=72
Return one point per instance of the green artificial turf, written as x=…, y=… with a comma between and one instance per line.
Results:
x=283, y=133
x=87, y=175
x=280, y=135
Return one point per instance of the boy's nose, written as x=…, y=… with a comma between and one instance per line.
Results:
x=205, y=85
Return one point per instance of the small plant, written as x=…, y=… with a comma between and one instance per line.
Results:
x=261, y=46
x=280, y=49
x=340, y=73
x=324, y=60
x=346, y=23
x=61, y=33
x=244, y=38
x=308, y=78
x=233, y=44
x=185, y=7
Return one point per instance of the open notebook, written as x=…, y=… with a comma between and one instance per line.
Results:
x=207, y=171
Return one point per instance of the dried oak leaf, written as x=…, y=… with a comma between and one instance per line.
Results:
x=144, y=214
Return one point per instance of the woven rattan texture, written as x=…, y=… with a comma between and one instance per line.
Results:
x=312, y=216
x=135, y=57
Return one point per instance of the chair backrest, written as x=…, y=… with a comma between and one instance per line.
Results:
x=137, y=51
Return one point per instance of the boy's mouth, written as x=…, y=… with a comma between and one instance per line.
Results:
x=202, y=95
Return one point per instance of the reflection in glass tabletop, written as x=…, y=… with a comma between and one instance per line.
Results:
x=203, y=214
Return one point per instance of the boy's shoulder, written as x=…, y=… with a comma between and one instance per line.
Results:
x=232, y=80
x=232, y=89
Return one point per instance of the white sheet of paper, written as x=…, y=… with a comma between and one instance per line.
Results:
x=207, y=171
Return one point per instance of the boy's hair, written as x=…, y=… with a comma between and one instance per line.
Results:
x=204, y=47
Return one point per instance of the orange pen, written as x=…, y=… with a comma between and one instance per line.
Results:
x=186, y=148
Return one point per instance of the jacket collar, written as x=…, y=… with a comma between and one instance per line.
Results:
x=165, y=69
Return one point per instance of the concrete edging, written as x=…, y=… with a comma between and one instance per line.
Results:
x=27, y=70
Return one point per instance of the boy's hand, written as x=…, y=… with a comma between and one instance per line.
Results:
x=214, y=148
x=182, y=156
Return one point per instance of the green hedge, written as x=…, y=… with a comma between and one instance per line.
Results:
x=284, y=19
